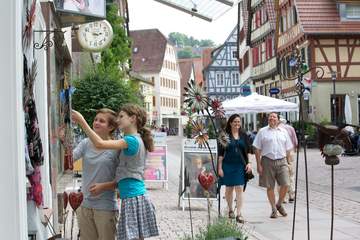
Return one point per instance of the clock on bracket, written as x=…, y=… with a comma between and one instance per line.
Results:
x=95, y=36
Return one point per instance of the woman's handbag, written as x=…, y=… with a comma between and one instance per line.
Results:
x=249, y=175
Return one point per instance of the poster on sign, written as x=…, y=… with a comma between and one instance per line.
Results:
x=156, y=162
x=196, y=159
x=156, y=165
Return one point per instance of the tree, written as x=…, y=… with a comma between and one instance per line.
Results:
x=182, y=40
x=119, y=51
x=185, y=53
x=99, y=89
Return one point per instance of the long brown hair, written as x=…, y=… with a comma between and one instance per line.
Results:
x=140, y=114
x=112, y=117
x=228, y=124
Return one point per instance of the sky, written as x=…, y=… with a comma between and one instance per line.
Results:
x=146, y=14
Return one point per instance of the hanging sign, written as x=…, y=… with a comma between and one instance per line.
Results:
x=80, y=11
x=274, y=91
x=245, y=90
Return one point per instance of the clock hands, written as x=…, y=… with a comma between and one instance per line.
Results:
x=96, y=34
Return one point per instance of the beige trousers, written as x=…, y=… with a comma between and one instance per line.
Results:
x=96, y=224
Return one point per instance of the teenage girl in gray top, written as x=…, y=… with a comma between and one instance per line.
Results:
x=98, y=212
x=137, y=215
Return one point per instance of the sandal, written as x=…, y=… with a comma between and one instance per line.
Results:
x=231, y=215
x=240, y=219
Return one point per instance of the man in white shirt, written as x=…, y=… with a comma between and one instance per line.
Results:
x=272, y=150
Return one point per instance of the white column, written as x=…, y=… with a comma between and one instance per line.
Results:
x=254, y=122
x=13, y=223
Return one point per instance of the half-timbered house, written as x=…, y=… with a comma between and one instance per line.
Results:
x=222, y=74
x=260, y=27
x=327, y=34
x=245, y=57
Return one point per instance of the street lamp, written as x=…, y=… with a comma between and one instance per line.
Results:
x=333, y=78
x=333, y=159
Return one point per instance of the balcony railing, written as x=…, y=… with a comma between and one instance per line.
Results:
x=264, y=68
x=262, y=30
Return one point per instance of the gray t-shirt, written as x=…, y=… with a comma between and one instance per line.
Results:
x=98, y=166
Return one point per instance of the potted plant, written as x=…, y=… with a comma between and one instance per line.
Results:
x=220, y=229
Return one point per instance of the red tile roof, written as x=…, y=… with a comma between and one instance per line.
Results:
x=198, y=68
x=245, y=15
x=270, y=8
x=206, y=56
x=185, y=66
x=322, y=16
x=148, y=50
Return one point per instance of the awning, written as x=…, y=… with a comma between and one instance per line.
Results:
x=208, y=10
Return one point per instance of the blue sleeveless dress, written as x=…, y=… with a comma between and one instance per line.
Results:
x=233, y=164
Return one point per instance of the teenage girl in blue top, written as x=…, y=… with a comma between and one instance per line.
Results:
x=137, y=214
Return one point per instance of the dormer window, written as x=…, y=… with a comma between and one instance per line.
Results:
x=349, y=11
x=352, y=11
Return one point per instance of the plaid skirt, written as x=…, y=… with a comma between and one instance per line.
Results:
x=137, y=219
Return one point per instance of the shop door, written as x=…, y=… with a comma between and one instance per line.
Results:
x=340, y=105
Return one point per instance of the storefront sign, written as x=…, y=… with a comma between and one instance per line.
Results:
x=289, y=35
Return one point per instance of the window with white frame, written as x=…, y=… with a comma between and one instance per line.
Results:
x=353, y=11
x=349, y=11
x=235, y=79
x=219, y=79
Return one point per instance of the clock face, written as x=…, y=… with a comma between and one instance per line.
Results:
x=95, y=36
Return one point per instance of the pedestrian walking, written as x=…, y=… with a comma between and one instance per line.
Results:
x=292, y=134
x=233, y=163
x=272, y=151
x=97, y=215
x=137, y=214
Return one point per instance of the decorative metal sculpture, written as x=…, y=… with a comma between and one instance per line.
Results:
x=301, y=68
x=198, y=101
x=47, y=42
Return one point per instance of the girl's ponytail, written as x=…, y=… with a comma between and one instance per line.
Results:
x=147, y=138
x=145, y=133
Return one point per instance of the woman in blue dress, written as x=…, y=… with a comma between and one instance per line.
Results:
x=232, y=165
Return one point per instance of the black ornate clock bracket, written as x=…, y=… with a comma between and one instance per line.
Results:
x=47, y=42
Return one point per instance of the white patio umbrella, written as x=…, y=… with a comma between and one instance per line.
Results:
x=256, y=103
x=347, y=110
x=231, y=102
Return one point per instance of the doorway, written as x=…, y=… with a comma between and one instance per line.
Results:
x=337, y=117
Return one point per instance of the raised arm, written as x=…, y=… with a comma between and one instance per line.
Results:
x=95, y=139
